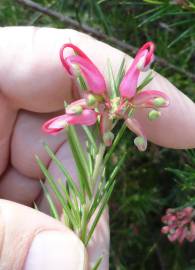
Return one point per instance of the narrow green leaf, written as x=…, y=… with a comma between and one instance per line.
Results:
x=100, y=211
x=146, y=81
x=80, y=160
x=96, y=266
x=120, y=74
x=101, y=16
x=73, y=205
x=65, y=172
x=98, y=164
x=115, y=143
x=153, y=2
x=55, y=189
x=96, y=200
x=117, y=168
x=112, y=83
x=181, y=36
x=104, y=187
x=90, y=137
x=84, y=223
x=50, y=202
x=148, y=11
x=66, y=220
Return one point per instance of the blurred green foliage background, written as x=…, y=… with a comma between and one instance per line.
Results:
x=149, y=182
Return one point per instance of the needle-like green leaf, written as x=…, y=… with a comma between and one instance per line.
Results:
x=56, y=190
x=96, y=266
x=80, y=160
x=53, y=209
x=115, y=143
x=61, y=167
x=102, y=207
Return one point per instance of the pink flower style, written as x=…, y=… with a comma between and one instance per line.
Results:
x=96, y=104
x=179, y=224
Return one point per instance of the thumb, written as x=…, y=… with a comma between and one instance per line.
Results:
x=31, y=240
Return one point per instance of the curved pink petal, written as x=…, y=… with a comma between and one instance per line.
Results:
x=150, y=47
x=56, y=124
x=147, y=98
x=175, y=235
x=143, y=59
x=169, y=218
x=128, y=85
x=87, y=118
x=182, y=235
x=140, y=141
x=92, y=75
x=76, y=50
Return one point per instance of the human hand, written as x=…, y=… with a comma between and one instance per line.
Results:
x=33, y=86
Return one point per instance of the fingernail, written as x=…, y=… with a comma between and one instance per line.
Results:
x=51, y=250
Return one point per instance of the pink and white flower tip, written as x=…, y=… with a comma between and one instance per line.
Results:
x=141, y=99
x=142, y=62
x=87, y=117
x=78, y=63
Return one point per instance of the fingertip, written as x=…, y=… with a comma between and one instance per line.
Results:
x=55, y=250
x=40, y=241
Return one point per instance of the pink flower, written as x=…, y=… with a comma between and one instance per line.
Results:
x=179, y=224
x=141, y=99
x=79, y=60
x=145, y=99
x=55, y=125
x=96, y=101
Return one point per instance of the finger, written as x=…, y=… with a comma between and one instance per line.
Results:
x=41, y=243
x=18, y=188
x=27, y=141
x=7, y=119
x=41, y=75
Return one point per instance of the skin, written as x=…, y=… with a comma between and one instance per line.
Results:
x=33, y=86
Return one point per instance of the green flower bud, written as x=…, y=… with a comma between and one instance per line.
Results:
x=91, y=100
x=153, y=115
x=108, y=138
x=158, y=102
x=141, y=143
x=77, y=109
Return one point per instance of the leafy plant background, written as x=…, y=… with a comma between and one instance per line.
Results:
x=149, y=182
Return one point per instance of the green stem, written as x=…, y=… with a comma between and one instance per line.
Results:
x=98, y=165
x=115, y=143
x=84, y=223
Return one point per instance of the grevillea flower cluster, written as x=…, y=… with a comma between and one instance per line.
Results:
x=96, y=103
x=179, y=224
